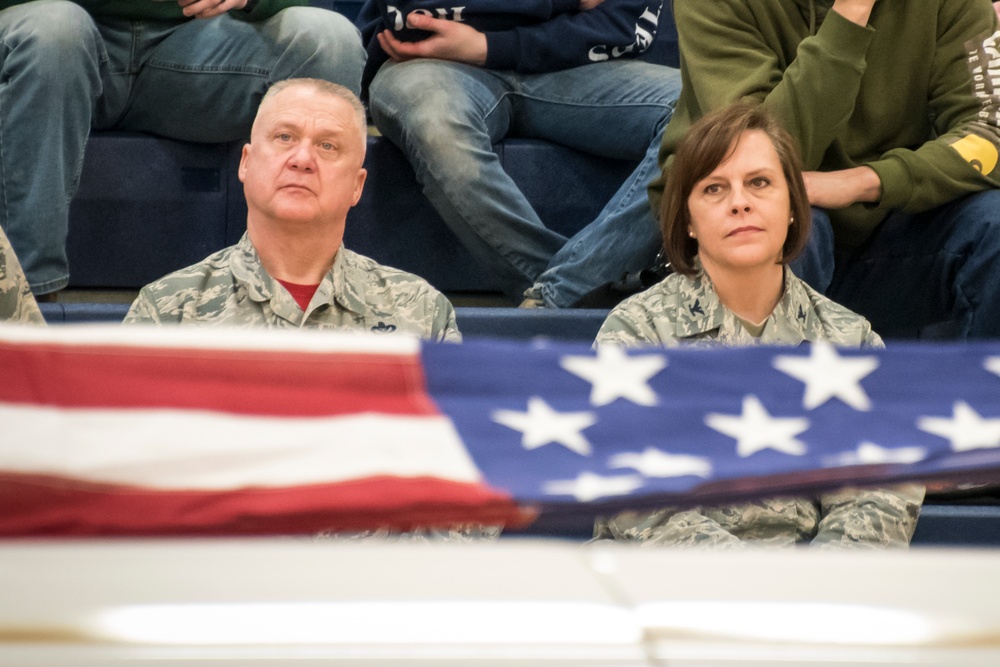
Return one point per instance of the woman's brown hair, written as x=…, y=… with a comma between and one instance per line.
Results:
x=708, y=143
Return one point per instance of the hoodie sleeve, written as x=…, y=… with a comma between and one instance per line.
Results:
x=530, y=37
x=728, y=56
x=964, y=103
x=614, y=29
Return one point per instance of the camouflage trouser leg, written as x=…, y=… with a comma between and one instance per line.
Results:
x=667, y=527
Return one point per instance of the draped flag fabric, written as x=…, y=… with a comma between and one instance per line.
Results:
x=134, y=431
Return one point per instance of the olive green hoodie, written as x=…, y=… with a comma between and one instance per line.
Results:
x=908, y=95
x=166, y=10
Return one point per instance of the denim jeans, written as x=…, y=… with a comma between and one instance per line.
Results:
x=931, y=275
x=446, y=116
x=200, y=80
x=815, y=264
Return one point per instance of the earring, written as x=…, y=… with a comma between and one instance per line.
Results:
x=690, y=233
x=791, y=220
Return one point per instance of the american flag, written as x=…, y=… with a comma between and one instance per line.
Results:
x=114, y=430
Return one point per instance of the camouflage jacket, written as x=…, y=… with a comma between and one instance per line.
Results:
x=686, y=310
x=16, y=301
x=682, y=310
x=232, y=288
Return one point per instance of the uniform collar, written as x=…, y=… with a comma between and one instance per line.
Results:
x=340, y=285
x=700, y=312
x=345, y=282
x=249, y=271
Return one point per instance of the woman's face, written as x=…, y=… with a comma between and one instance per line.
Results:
x=740, y=213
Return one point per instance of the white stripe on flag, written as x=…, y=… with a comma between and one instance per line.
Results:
x=180, y=449
x=211, y=338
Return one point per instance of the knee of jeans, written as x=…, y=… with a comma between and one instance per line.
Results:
x=324, y=44
x=414, y=90
x=55, y=33
x=412, y=104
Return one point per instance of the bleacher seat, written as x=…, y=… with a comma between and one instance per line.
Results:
x=148, y=205
x=507, y=323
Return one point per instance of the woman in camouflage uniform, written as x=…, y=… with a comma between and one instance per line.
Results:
x=734, y=213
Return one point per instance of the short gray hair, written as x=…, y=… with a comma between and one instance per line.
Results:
x=330, y=88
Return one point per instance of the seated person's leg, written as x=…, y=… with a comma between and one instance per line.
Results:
x=616, y=109
x=50, y=67
x=929, y=275
x=815, y=264
x=205, y=79
x=445, y=117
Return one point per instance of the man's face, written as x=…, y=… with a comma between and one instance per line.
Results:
x=304, y=160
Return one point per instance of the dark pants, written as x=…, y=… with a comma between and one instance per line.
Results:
x=931, y=275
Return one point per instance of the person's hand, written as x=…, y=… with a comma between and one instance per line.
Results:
x=839, y=189
x=589, y=4
x=206, y=9
x=449, y=40
x=856, y=11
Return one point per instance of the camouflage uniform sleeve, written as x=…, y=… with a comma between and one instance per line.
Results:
x=17, y=303
x=667, y=527
x=871, y=339
x=625, y=328
x=445, y=325
x=869, y=518
x=143, y=310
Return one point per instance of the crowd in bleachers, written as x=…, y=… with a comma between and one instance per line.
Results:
x=889, y=208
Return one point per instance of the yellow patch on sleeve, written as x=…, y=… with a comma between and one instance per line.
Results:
x=980, y=153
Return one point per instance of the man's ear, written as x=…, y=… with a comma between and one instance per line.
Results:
x=242, y=172
x=359, y=186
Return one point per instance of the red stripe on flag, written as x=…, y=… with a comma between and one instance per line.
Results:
x=275, y=383
x=39, y=505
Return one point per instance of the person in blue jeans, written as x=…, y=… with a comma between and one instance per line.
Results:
x=193, y=70
x=445, y=83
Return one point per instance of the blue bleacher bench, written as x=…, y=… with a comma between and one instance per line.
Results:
x=473, y=322
x=148, y=206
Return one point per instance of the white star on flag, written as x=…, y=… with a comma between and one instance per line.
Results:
x=654, y=463
x=755, y=429
x=541, y=425
x=828, y=375
x=992, y=364
x=868, y=453
x=614, y=374
x=588, y=486
x=966, y=429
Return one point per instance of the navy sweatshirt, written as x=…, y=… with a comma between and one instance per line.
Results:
x=528, y=36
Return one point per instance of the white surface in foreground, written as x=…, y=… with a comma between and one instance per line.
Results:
x=531, y=602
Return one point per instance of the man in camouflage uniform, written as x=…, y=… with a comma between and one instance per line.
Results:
x=16, y=300
x=302, y=172
x=686, y=310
